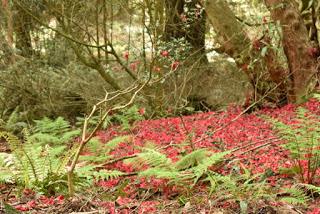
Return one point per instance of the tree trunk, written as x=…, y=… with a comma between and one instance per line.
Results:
x=297, y=47
x=173, y=24
x=177, y=20
x=234, y=42
x=6, y=42
x=22, y=30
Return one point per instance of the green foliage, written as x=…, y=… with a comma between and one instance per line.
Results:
x=242, y=188
x=302, y=139
x=99, y=152
x=202, y=165
x=33, y=165
x=94, y=120
x=189, y=169
x=53, y=132
x=41, y=160
x=300, y=194
x=8, y=209
x=178, y=48
x=124, y=117
x=13, y=123
x=39, y=89
x=127, y=116
x=296, y=196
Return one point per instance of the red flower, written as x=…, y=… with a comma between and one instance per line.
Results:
x=264, y=19
x=156, y=68
x=133, y=66
x=175, y=65
x=108, y=205
x=164, y=53
x=256, y=44
x=126, y=55
x=183, y=17
x=109, y=184
x=142, y=111
x=148, y=207
x=313, y=52
x=244, y=67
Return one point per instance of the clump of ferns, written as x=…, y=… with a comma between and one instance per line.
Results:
x=184, y=173
x=53, y=132
x=32, y=165
x=299, y=194
x=43, y=167
x=302, y=140
x=202, y=166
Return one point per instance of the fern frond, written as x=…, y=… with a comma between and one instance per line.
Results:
x=107, y=174
x=152, y=158
x=46, y=125
x=11, y=139
x=192, y=159
x=161, y=173
x=297, y=196
x=112, y=144
x=312, y=187
x=6, y=169
x=203, y=167
x=58, y=131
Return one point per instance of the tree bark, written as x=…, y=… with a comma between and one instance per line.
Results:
x=234, y=42
x=22, y=29
x=297, y=47
x=6, y=41
x=177, y=20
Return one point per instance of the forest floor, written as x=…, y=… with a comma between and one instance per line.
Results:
x=259, y=151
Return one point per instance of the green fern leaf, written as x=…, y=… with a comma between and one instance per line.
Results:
x=107, y=174
x=152, y=158
x=191, y=159
x=112, y=144
x=203, y=167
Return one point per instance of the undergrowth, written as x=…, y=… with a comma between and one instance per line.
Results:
x=302, y=139
x=41, y=159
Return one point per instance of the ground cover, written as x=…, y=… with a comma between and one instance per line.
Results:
x=257, y=151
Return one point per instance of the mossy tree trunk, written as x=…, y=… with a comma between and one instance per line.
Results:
x=190, y=25
x=293, y=81
x=235, y=42
x=297, y=46
x=22, y=30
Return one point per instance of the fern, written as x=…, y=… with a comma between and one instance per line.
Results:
x=13, y=122
x=100, y=151
x=241, y=188
x=40, y=161
x=170, y=174
x=94, y=120
x=107, y=174
x=191, y=159
x=53, y=132
x=151, y=158
x=297, y=196
x=112, y=144
x=302, y=140
x=32, y=165
x=128, y=116
x=189, y=169
x=204, y=165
